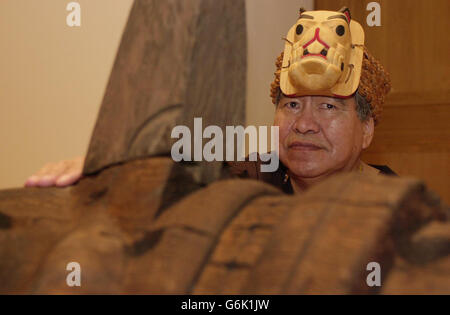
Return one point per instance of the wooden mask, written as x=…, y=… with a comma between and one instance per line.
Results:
x=323, y=55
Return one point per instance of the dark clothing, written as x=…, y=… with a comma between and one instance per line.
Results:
x=252, y=169
x=384, y=169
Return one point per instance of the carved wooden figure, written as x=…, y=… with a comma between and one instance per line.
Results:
x=141, y=223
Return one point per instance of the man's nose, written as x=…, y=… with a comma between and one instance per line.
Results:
x=306, y=122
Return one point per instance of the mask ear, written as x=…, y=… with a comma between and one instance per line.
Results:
x=346, y=12
x=301, y=11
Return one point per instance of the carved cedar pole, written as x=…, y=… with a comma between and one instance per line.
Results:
x=121, y=224
x=178, y=59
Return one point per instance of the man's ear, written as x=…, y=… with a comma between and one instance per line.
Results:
x=368, y=131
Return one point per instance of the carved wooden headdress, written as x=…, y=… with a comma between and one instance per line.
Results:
x=325, y=55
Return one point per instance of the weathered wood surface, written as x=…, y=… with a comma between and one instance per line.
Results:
x=149, y=225
x=233, y=237
x=425, y=268
x=321, y=242
x=178, y=59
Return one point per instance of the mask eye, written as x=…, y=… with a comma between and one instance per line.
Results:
x=299, y=29
x=340, y=30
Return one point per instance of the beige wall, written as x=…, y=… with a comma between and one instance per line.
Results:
x=267, y=22
x=53, y=77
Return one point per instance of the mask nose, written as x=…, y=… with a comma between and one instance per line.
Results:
x=316, y=46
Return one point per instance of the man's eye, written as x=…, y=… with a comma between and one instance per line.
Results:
x=328, y=106
x=292, y=105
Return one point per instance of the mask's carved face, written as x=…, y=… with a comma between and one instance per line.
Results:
x=323, y=55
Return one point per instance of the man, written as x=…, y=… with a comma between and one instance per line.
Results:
x=328, y=91
x=337, y=90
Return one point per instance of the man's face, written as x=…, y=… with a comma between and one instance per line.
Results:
x=320, y=135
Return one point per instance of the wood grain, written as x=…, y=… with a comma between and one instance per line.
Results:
x=140, y=224
x=234, y=236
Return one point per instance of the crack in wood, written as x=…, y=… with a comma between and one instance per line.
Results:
x=5, y=221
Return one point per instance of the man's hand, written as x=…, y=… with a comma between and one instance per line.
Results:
x=61, y=174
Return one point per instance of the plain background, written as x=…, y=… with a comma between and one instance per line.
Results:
x=53, y=76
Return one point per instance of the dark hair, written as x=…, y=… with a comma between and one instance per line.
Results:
x=363, y=108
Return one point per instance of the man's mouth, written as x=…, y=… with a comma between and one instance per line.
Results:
x=304, y=146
